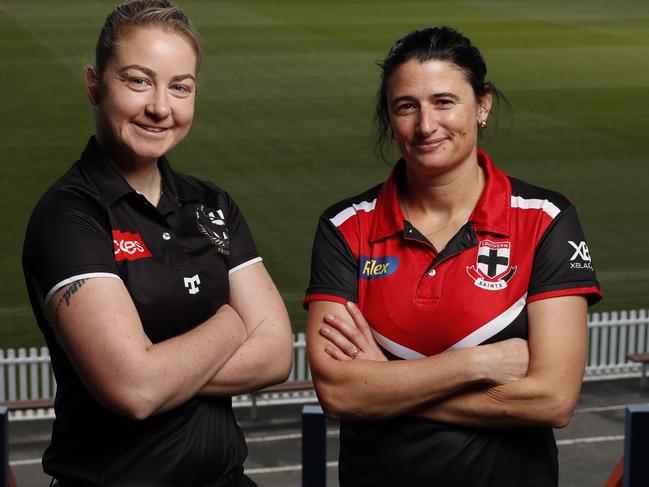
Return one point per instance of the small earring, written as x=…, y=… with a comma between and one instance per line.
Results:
x=482, y=124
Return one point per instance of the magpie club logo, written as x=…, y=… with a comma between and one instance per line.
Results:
x=492, y=270
x=211, y=223
x=129, y=246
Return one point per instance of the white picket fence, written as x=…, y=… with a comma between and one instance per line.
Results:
x=26, y=374
x=612, y=336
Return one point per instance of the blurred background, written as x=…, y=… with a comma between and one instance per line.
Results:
x=285, y=107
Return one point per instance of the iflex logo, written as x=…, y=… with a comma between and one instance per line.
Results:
x=192, y=283
x=129, y=246
x=581, y=252
x=375, y=268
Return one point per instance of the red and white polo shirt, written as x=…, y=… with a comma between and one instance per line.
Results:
x=522, y=243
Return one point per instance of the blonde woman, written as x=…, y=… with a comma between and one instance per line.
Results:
x=146, y=283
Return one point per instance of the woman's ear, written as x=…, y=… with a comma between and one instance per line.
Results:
x=485, y=106
x=93, y=82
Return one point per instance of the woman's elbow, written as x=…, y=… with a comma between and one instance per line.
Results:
x=329, y=400
x=132, y=403
x=273, y=367
x=136, y=412
x=284, y=361
x=338, y=402
x=282, y=370
x=561, y=409
x=552, y=410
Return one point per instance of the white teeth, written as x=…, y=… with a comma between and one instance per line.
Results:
x=153, y=129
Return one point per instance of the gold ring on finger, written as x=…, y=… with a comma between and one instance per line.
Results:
x=355, y=353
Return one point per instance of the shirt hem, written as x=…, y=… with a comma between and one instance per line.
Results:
x=244, y=265
x=323, y=297
x=594, y=294
x=69, y=280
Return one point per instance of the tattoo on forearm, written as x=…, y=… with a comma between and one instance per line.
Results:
x=67, y=296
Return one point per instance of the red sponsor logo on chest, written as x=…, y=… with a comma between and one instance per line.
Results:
x=129, y=246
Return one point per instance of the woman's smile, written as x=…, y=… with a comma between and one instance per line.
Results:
x=430, y=145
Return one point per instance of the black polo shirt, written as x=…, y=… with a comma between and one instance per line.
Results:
x=175, y=260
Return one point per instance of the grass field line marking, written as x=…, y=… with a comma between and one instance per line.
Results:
x=261, y=470
x=264, y=439
x=15, y=310
x=28, y=461
x=621, y=375
x=596, y=409
x=590, y=439
x=298, y=467
x=288, y=436
x=623, y=274
x=283, y=468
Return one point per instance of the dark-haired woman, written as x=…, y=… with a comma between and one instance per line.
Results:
x=467, y=340
x=146, y=283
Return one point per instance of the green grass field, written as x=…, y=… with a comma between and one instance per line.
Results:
x=284, y=117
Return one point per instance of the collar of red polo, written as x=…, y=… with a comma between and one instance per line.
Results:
x=491, y=214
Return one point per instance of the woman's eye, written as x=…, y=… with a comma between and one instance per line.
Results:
x=445, y=102
x=182, y=89
x=138, y=82
x=405, y=107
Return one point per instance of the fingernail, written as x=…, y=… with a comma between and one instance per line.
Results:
x=325, y=329
x=329, y=317
x=350, y=304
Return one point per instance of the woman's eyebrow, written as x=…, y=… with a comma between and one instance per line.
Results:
x=402, y=98
x=443, y=94
x=180, y=77
x=152, y=73
x=446, y=94
x=144, y=69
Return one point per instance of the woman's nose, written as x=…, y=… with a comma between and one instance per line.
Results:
x=427, y=122
x=159, y=107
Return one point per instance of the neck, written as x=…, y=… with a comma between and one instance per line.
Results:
x=143, y=176
x=146, y=182
x=446, y=196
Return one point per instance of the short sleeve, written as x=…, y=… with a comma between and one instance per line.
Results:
x=66, y=240
x=242, y=249
x=334, y=269
x=563, y=265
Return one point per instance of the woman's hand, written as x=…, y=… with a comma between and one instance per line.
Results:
x=348, y=341
x=229, y=314
x=505, y=361
x=376, y=388
x=265, y=356
x=500, y=362
x=547, y=394
x=117, y=362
